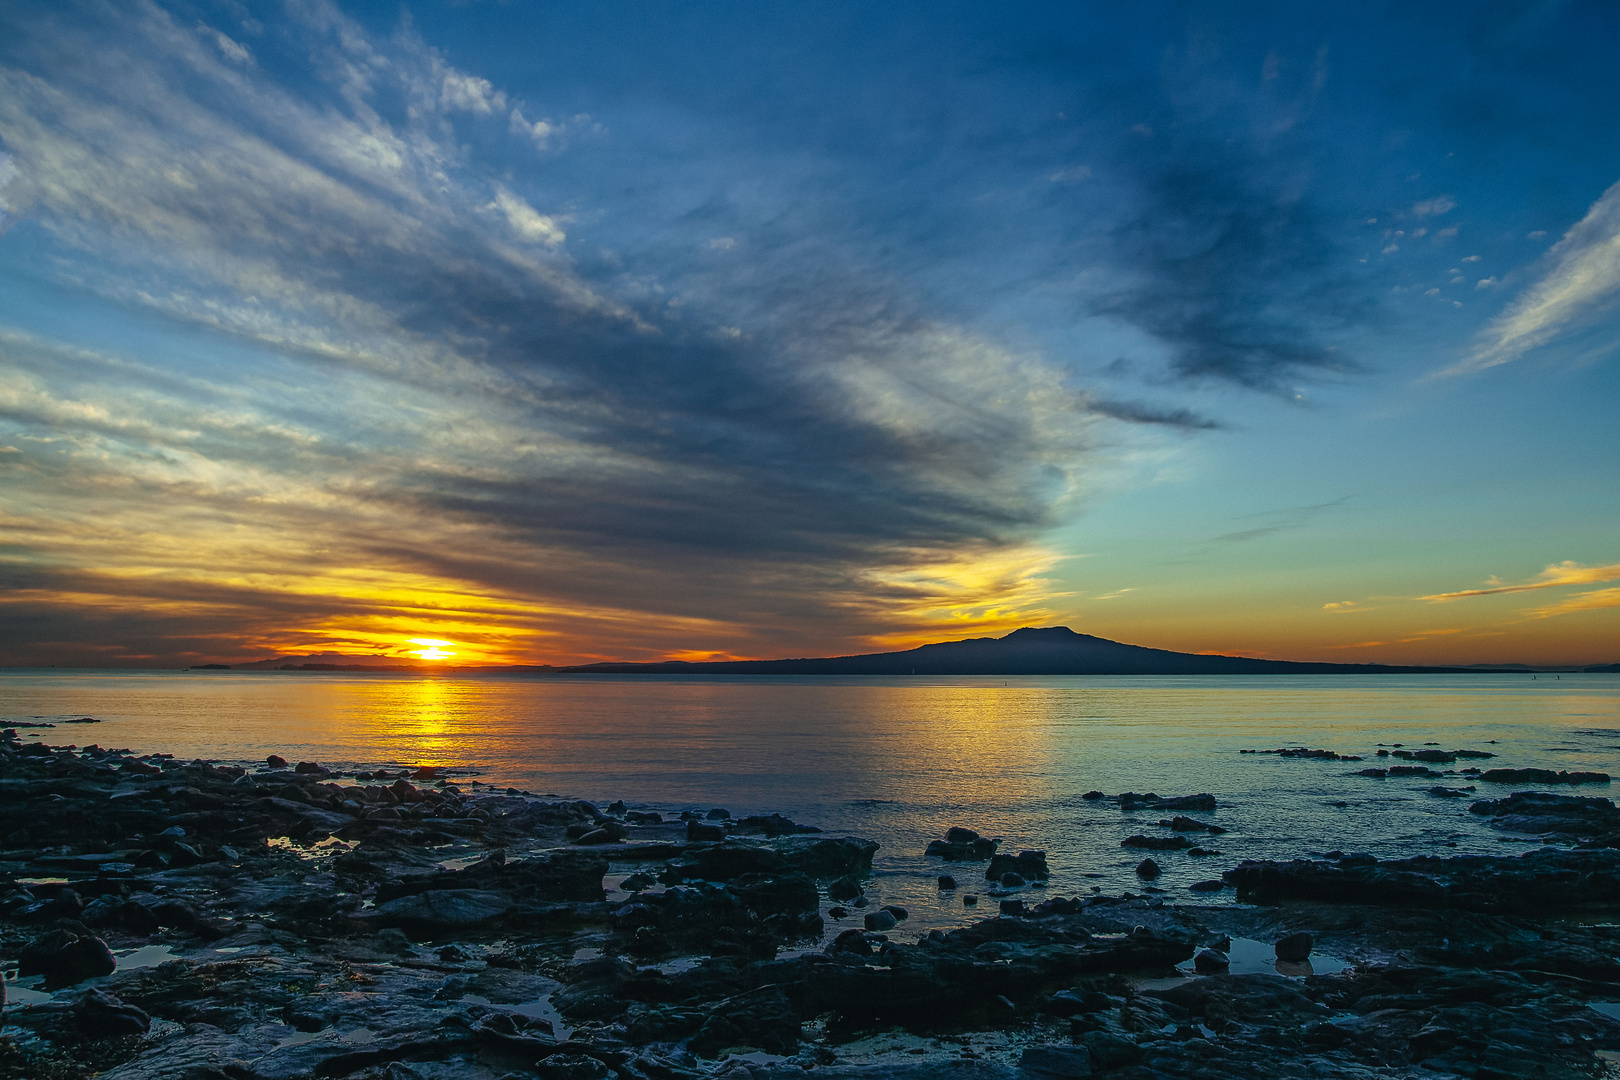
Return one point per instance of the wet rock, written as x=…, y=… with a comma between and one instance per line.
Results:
x=1211, y=962
x=571, y=1067
x=276, y=761
x=718, y=814
x=64, y=958
x=697, y=833
x=1543, y=813
x=1187, y=824
x=1148, y=869
x=851, y=941
x=310, y=768
x=1438, y=756
x=1546, y=879
x=1150, y=801
x=102, y=1016
x=1212, y=885
x=1074, y=1002
x=1295, y=948
x=1157, y=843
x=783, y=894
x=439, y=911
x=1029, y=865
x=1056, y=1062
x=1110, y=1050
x=611, y=832
x=946, y=881
x=772, y=825
x=880, y=920
x=962, y=845
x=1302, y=752
x=1013, y=907
x=1541, y=776
x=844, y=888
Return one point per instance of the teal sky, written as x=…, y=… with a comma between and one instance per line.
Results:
x=560, y=332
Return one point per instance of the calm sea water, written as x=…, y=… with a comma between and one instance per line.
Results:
x=901, y=759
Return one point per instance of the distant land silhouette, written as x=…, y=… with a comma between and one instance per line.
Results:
x=1047, y=650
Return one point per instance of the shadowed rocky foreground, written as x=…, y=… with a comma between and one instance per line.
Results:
x=179, y=921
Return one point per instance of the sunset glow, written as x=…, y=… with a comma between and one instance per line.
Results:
x=434, y=649
x=1186, y=332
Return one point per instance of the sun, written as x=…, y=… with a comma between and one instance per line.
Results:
x=433, y=648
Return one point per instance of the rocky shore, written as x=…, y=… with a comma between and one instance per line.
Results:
x=167, y=920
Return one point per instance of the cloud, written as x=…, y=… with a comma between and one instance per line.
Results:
x=1582, y=280
x=1135, y=412
x=420, y=416
x=1442, y=204
x=468, y=93
x=540, y=131
x=1564, y=573
x=526, y=221
x=1070, y=176
x=1227, y=264
x=1596, y=600
x=1285, y=520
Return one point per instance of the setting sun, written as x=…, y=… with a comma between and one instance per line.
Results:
x=434, y=648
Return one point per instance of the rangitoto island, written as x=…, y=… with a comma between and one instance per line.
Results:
x=1046, y=650
x=1031, y=650
x=174, y=920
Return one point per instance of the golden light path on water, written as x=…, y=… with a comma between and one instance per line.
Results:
x=900, y=760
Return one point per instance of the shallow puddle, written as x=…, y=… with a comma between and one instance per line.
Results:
x=1251, y=957
x=143, y=957
x=20, y=993
x=539, y=1009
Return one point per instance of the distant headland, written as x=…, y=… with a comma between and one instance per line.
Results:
x=1044, y=650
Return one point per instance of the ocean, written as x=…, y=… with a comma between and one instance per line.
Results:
x=899, y=760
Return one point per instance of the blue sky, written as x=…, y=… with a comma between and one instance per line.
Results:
x=567, y=331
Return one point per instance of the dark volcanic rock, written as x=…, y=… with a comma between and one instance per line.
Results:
x=1541, y=776
x=1157, y=843
x=1547, y=879
x=439, y=911
x=1302, y=752
x=1295, y=948
x=1130, y=800
x=1180, y=823
x=772, y=825
x=962, y=845
x=103, y=1016
x=65, y=958
x=1540, y=812
x=1029, y=865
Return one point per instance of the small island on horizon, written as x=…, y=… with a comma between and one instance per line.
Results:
x=1030, y=650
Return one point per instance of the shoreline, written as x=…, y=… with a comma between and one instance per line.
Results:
x=288, y=922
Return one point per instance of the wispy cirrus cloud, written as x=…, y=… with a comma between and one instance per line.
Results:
x=1554, y=576
x=1595, y=600
x=1582, y=280
x=432, y=418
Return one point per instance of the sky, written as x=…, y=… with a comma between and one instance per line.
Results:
x=549, y=333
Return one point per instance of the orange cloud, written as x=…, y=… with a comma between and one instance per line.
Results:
x=1586, y=601
x=1564, y=573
